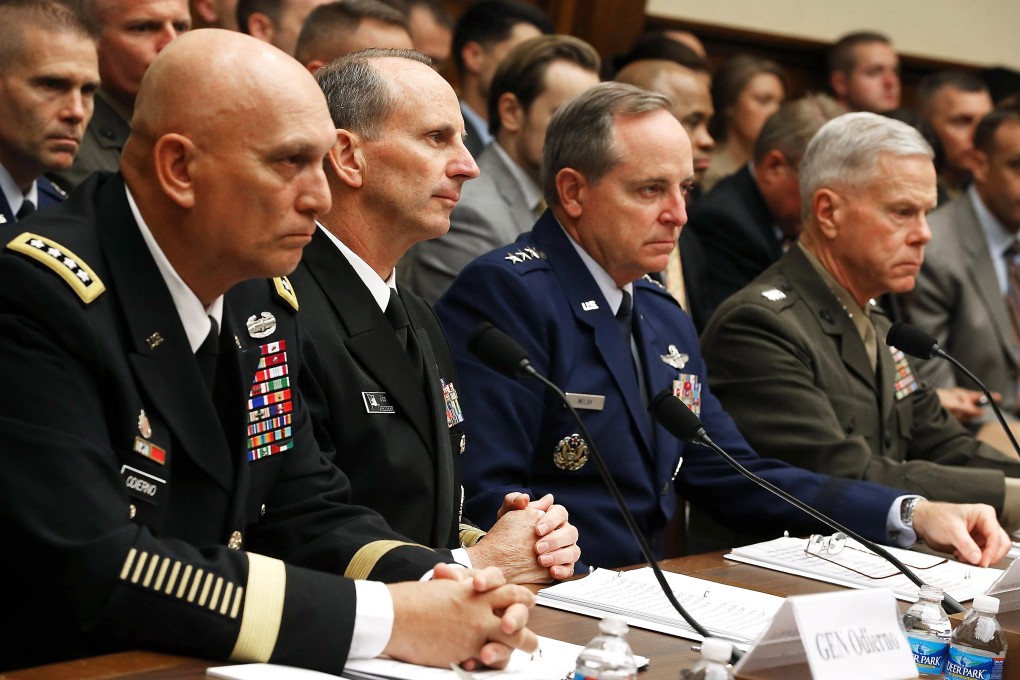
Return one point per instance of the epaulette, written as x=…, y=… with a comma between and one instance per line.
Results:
x=652, y=280
x=78, y=275
x=525, y=254
x=286, y=291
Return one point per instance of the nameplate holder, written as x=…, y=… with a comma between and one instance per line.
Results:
x=844, y=635
x=1007, y=588
x=586, y=402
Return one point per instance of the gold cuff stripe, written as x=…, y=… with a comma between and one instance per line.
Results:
x=263, y=609
x=195, y=583
x=173, y=577
x=162, y=574
x=126, y=569
x=470, y=535
x=204, y=597
x=226, y=598
x=138, y=567
x=236, y=607
x=152, y=570
x=286, y=291
x=78, y=275
x=216, y=593
x=364, y=561
x=184, y=582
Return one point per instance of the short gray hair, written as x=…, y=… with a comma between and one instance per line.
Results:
x=580, y=134
x=359, y=98
x=846, y=150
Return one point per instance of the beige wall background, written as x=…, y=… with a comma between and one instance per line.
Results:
x=977, y=32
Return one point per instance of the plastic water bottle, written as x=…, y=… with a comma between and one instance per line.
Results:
x=714, y=663
x=978, y=648
x=607, y=656
x=928, y=632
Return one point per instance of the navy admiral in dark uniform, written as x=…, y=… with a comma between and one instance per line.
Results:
x=50, y=73
x=160, y=485
x=391, y=410
x=572, y=292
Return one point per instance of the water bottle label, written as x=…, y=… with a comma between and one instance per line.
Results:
x=929, y=655
x=964, y=664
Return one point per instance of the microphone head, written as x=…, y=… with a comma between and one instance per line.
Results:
x=498, y=351
x=912, y=340
x=674, y=415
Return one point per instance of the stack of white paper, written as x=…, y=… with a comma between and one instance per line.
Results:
x=728, y=612
x=857, y=567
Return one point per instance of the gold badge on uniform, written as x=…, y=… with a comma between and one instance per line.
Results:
x=571, y=453
x=144, y=428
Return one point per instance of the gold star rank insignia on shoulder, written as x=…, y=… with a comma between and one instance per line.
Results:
x=78, y=275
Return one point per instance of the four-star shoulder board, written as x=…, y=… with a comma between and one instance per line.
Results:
x=78, y=275
x=524, y=254
x=286, y=291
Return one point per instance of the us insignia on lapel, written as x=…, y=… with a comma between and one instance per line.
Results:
x=687, y=388
x=906, y=383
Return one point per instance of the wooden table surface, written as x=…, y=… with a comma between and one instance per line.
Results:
x=668, y=654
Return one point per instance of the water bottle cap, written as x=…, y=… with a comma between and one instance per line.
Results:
x=715, y=649
x=931, y=592
x=986, y=603
x=613, y=625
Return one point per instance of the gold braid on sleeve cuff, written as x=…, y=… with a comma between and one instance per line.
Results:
x=469, y=535
x=364, y=561
x=263, y=609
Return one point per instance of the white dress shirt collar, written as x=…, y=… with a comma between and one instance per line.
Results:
x=194, y=315
x=610, y=291
x=377, y=286
x=12, y=192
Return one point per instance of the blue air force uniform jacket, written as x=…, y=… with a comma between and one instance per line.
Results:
x=539, y=292
x=137, y=510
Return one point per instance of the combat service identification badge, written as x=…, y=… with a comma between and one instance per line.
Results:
x=261, y=326
x=571, y=453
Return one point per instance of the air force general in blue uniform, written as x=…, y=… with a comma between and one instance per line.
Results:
x=542, y=290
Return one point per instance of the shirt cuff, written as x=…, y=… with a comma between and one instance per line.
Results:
x=373, y=620
x=461, y=557
x=898, y=532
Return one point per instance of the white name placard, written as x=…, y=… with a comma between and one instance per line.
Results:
x=844, y=635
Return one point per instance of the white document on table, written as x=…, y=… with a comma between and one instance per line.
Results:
x=556, y=661
x=732, y=613
x=857, y=567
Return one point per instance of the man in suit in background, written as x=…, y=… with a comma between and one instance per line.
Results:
x=340, y=28
x=390, y=408
x=799, y=358
x=131, y=34
x=483, y=35
x=532, y=82
x=277, y=22
x=964, y=291
x=749, y=219
x=574, y=294
x=953, y=103
x=162, y=487
x=48, y=76
x=864, y=72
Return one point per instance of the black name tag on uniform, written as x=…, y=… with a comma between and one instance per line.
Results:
x=377, y=402
x=142, y=485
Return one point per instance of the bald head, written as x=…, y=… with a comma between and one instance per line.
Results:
x=227, y=172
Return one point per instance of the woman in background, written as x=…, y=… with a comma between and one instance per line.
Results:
x=746, y=90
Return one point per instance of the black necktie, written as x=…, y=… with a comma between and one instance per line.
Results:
x=625, y=317
x=26, y=209
x=396, y=313
x=206, y=355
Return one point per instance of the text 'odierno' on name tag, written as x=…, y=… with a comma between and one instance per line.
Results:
x=845, y=635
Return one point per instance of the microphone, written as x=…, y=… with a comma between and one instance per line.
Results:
x=915, y=342
x=681, y=422
x=499, y=351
